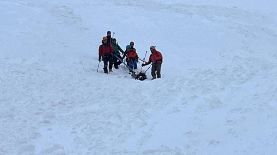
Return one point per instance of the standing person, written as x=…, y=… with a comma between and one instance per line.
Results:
x=117, y=49
x=156, y=59
x=132, y=56
x=105, y=53
x=125, y=53
x=109, y=37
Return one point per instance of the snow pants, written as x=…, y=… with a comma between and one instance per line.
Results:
x=133, y=64
x=156, y=70
x=116, y=62
x=107, y=61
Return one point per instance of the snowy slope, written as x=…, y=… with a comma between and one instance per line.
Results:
x=217, y=94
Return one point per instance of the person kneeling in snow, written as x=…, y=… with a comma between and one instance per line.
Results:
x=106, y=53
x=156, y=59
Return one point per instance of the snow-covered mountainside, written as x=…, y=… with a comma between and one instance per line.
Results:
x=217, y=94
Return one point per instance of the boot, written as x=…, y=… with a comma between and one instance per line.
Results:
x=105, y=70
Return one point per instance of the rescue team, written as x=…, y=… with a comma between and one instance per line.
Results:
x=110, y=53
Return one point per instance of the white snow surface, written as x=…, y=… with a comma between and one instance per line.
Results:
x=217, y=94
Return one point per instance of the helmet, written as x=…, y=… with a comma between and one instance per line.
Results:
x=132, y=43
x=152, y=47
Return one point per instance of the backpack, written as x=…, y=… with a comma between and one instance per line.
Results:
x=141, y=76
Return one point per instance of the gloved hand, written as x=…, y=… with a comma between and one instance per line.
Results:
x=99, y=59
x=142, y=65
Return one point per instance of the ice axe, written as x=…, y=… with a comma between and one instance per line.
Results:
x=113, y=34
x=143, y=60
x=98, y=65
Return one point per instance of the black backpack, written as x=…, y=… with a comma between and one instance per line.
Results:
x=141, y=76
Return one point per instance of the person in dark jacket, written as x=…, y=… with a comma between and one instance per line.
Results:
x=156, y=59
x=117, y=58
x=106, y=54
x=109, y=37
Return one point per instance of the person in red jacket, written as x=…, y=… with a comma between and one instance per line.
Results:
x=131, y=56
x=156, y=59
x=106, y=54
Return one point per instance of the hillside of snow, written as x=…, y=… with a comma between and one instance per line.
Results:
x=217, y=94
